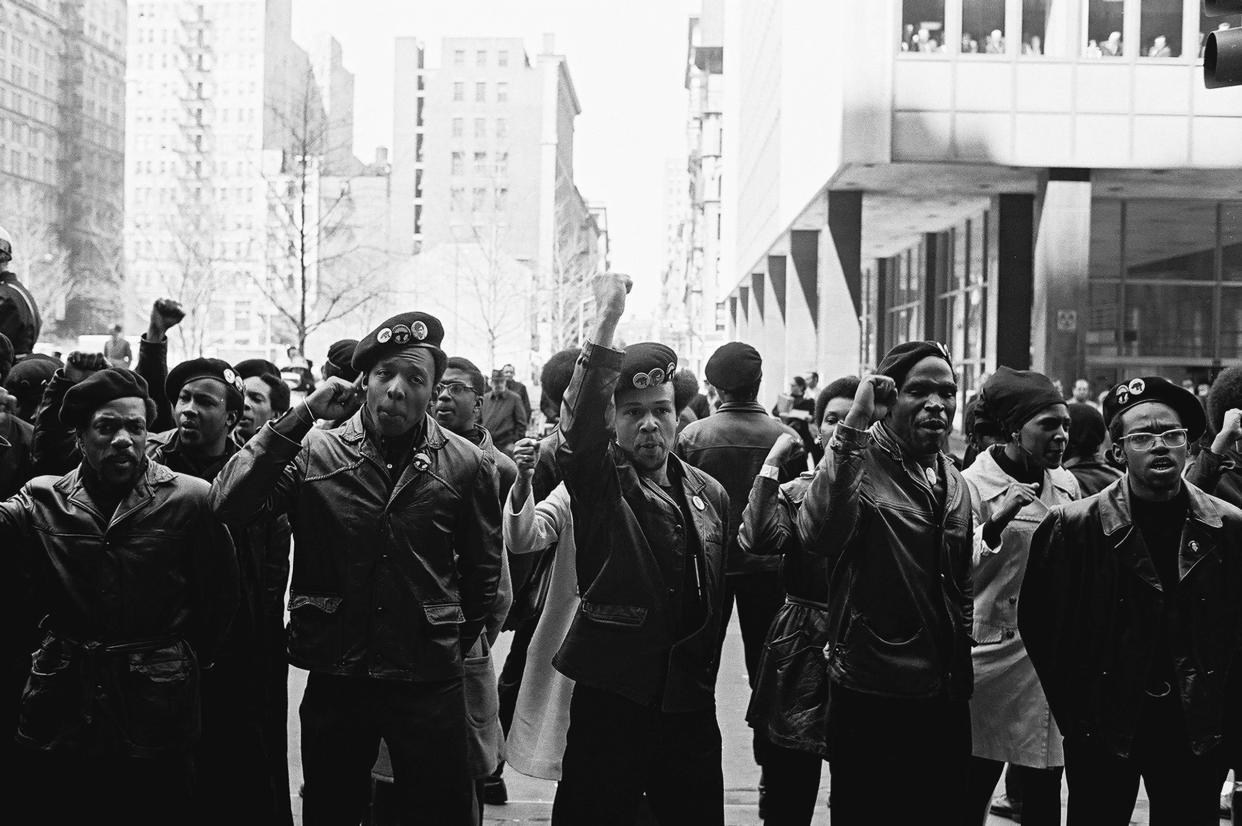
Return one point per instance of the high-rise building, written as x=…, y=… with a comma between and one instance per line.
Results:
x=62, y=124
x=691, y=278
x=225, y=130
x=336, y=90
x=1040, y=184
x=483, y=158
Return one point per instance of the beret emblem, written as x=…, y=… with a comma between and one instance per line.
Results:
x=383, y=335
x=1137, y=387
x=400, y=334
x=419, y=330
x=229, y=375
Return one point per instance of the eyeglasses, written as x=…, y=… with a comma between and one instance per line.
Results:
x=455, y=388
x=1147, y=441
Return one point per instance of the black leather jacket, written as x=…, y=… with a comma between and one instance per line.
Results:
x=901, y=597
x=626, y=636
x=390, y=579
x=131, y=605
x=730, y=446
x=769, y=529
x=1090, y=609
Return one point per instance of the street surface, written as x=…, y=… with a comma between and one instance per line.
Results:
x=530, y=800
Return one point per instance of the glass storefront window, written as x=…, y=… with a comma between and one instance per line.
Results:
x=1050, y=27
x=1035, y=14
x=1105, y=240
x=983, y=27
x=1160, y=28
x=1104, y=28
x=922, y=26
x=1164, y=243
x=1231, y=240
x=1103, y=317
x=1168, y=320
x=1231, y=322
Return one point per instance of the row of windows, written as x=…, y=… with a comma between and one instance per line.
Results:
x=219, y=167
x=25, y=104
x=170, y=195
x=142, y=221
x=480, y=58
x=27, y=164
x=478, y=199
x=458, y=163
x=1094, y=29
x=501, y=128
x=480, y=92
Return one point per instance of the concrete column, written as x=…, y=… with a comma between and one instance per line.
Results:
x=1062, y=258
x=838, y=285
x=777, y=368
x=1015, y=241
x=800, y=308
x=743, y=313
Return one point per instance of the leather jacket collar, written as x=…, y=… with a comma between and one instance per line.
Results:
x=1203, y=517
x=741, y=407
x=887, y=441
x=139, y=496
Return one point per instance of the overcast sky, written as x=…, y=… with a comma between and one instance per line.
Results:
x=627, y=61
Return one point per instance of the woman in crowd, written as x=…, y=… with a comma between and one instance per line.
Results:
x=789, y=705
x=1012, y=487
x=1084, y=456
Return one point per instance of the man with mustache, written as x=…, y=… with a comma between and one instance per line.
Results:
x=1131, y=610
x=134, y=584
x=396, y=567
x=649, y=533
x=892, y=516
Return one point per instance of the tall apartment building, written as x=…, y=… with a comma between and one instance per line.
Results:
x=62, y=122
x=221, y=104
x=692, y=271
x=483, y=159
x=336, y=91
x=1062, y=195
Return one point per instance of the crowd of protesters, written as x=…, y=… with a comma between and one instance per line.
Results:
x=1066, y=598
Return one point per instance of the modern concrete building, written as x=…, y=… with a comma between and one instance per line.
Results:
x=1037, y=183
x=336, y=90
x=691, y=283
x=62, y=126
x=483, y=158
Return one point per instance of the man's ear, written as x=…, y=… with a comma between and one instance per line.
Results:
x=232, y=418
x=1119, y=453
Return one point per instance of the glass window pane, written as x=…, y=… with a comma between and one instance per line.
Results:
x=1171, y=240
x=1103, y=318
x=977, y=248
x=975, y=326
x=1211, y=24
x=1231, y=240
x=959, y=256
x=1164, y=320
x=1105, y=257
x=922, y=25
x=1231, y=323
x=1160, y=28
x=1104, y=26
x=983, y=27
x=1035, y=19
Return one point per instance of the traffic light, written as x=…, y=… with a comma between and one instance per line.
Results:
x=1222, y=53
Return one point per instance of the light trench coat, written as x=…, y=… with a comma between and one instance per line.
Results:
x=1009, y=715
x=536, y=741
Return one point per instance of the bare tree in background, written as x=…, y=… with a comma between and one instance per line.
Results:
x=321, y=266
x=574, y=263
x=192, y=281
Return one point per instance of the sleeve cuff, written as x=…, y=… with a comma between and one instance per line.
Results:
x=850, y=439
x=284, y=436
x=600, y=356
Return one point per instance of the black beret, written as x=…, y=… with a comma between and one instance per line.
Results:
x=645, y=365
x=205, y=368
x=251, y=368
x=33, y=371
x=1011, y=397
x=84, y=398
x=1157, y=389
x=902, y=358
x=340, y=356
x=734, y=366
x=404, y=330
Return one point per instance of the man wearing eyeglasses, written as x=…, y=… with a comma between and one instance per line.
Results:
x=1131, y=609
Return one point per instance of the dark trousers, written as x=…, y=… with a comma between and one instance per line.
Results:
x=58, y=788
x=875, y=739
x=792, y=785
x=1041, y=792
x=618, y=750
x=510, y=681
x=758, y=596
x=424, y=724
x=1182, y=788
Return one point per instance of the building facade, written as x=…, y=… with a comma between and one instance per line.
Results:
x=483, y=170
x=62, y=126
x=1037, y=183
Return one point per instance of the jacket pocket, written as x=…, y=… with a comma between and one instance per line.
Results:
x=448, y=613
x=52, y=704
x=159, y=698
x=315, y=633
x=874, y=661
x=628, y=616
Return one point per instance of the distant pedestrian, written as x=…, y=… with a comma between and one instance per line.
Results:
x=516, y=387
x=1131, y=610
x=503, y=414
x=19, y=314
x=116, y=348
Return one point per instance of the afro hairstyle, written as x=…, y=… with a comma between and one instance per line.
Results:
x=685, y=388
x=1225, y=395
x=556, y=373
x=465, y=365
x=843, y=388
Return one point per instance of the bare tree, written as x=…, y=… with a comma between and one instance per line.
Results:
x=574, y=262
x=326, y=259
